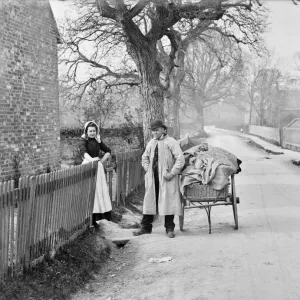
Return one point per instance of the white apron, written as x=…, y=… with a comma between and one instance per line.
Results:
x=102, y=202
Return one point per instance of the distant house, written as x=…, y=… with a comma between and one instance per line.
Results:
x=29, y=100
x=292, y=108
x=291, y=101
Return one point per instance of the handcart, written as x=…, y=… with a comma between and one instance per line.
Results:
x=201, y=196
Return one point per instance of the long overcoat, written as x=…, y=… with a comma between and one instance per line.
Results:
x=170, y=159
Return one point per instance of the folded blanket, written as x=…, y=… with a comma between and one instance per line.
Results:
x=208, y=165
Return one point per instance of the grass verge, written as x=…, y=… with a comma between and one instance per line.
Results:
x=275, y=143
x=58, y=278
x=255, y=145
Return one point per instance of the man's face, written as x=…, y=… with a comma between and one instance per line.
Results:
x=158, y=132
x=91, y=132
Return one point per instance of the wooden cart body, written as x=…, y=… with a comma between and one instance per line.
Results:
x=201, y=196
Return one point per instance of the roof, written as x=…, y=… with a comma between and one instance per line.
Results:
x=58, y=38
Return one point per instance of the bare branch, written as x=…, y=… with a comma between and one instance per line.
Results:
x=106, y=10
x=137, y=9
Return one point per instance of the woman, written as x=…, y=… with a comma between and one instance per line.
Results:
x=91, y=148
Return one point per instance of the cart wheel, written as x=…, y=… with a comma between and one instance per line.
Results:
x=181, y=219
x=235, y=214
x=234, y=202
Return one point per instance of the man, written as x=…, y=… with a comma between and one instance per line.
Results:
x=162, y=160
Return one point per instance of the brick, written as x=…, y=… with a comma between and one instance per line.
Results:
x=28, y=87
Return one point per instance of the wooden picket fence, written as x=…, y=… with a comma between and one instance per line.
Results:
x=130, y=174
x=42, y=214
x=50, y=210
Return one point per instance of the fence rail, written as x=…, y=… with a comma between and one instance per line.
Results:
x=45, y=212
x=129, y=173
x=291, y=138
x=266, y=132
x=288, y=137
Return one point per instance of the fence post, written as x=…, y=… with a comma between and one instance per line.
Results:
x=281, y=136
x=11, y=201
x=110, y=174
x=118, y=175
x=125, y=176
x=30, y=215
x=3, y=229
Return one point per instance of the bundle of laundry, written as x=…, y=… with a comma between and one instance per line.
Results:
x=189, y=141
x=209, y=165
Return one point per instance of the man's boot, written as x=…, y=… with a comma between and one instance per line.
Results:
x=141, y=231
x=146, y=225
x=170, y=233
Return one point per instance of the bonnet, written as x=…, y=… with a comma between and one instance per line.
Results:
x=84, y=136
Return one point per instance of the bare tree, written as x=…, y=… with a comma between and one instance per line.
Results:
x=102, y=108
x=297, y=60
x=263, y=88
x=243, y=29
x=98, y=104
x=138, y=26
x=211, y=76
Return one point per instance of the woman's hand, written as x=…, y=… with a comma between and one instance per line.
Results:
x=105, y=157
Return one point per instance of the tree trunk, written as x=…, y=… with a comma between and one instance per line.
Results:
x=200, y=118
x=174, y=100
x=173, y=116
x=261, y=116
x=153, y=98
x=174, y=92
x=151, y=88
x=250, y=114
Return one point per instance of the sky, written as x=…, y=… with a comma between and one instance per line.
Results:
x=283, y=36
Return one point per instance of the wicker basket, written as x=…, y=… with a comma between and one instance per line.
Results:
x=202, y=192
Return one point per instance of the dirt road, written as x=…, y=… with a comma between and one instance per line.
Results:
x=260, y=261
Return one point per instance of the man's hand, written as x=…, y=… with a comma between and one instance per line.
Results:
x=168, y=176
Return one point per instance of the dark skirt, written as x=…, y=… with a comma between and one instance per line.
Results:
x=104, y=216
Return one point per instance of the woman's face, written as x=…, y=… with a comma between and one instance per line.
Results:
x=91, y=132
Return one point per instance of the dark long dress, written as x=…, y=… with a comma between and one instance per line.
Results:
x=95, y=149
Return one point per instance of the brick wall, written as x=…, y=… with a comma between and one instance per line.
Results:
x=29, y=106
